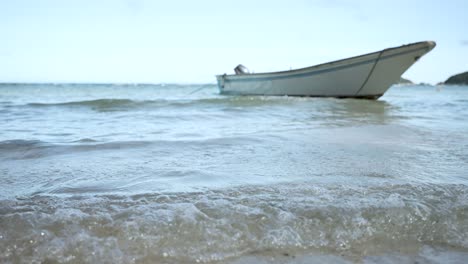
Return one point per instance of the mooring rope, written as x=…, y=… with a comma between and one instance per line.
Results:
x=198, y=89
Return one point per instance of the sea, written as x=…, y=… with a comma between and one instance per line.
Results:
x=177, y=173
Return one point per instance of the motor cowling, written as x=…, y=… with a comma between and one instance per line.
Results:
x=241, y=69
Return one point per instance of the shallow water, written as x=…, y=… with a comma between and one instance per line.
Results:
x=179, y=173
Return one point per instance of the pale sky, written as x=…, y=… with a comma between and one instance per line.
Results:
x=143, y=41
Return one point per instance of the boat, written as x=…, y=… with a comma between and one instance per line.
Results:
x=367, y=76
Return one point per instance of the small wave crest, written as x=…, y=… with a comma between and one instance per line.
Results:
x=16, y=144
x=98, y=103
x=85, y=140
x=103, y=105
x=32, y=149
x=107, y=104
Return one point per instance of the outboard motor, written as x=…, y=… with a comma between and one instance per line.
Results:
x=241, y=69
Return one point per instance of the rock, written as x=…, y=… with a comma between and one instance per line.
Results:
x=461, y=78
x=424, y=84
x=404, y=81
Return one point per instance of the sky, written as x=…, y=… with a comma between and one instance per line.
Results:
x=144, y=41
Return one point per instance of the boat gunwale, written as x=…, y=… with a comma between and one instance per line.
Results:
x=245, y=77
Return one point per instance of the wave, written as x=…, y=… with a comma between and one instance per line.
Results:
x=34, y=149
x=103, y=103
x=128, y=104
x=287, y=219
x=16, y=144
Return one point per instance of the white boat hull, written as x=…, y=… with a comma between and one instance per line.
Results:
x=366, y=76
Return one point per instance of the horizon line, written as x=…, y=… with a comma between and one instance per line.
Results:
x=108, y=83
